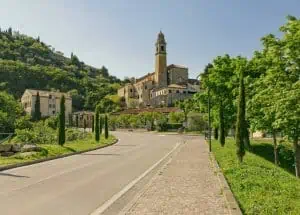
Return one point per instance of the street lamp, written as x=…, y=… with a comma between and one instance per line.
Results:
x=208, y=107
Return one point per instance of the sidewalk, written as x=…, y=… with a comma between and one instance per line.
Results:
x=188, y=184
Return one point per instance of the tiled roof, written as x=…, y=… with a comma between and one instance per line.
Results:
x=177, y=66
x=145, y=76
x=44, y=93
x=144, y=110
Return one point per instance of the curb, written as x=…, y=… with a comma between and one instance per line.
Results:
x=232, y=203
x=28, y=163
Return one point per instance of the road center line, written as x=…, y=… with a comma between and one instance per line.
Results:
x=115, y=197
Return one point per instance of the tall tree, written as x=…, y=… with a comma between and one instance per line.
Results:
x=93, y=123
x=105, y=127
x=97, y=129
x=62, y=118
x=37, y=108
x=101, y=124
x=241, y=120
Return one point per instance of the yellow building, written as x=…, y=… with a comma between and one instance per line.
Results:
x=49, y=102
x=164, y=86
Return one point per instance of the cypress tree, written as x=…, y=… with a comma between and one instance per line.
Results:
x=216, y=133
x=105, y=127
x=97, y=129
x=101, y=124
x=222, y=124
x=93, y=126
x=84, y=125
x=37, y=108
x=241, y=122
x=61, y=128
x=77, y=121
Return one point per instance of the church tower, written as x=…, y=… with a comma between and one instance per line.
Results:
x=161, y=61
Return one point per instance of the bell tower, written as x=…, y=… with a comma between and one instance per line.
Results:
x=161, y=61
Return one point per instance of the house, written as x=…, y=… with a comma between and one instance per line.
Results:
x=49, y=102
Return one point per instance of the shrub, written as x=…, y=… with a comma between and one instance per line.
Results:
x=39, y=134
x=52, y=122
x=162, y=124
x=176, y=117
x=23, y=122
x=174, y=126
x=74, y=134
x=196, y=122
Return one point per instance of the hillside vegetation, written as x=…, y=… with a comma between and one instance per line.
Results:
x=27, y=62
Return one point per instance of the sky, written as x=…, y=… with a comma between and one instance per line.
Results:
x=120, y=34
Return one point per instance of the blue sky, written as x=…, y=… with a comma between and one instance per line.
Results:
x=120, y=34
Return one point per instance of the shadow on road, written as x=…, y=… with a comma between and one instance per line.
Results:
x=13, y=175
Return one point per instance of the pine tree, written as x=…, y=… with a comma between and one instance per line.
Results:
x=37, y=108
x=105, y=127
x=241, y=122
x=61, y=128
x=93, y=126
x=101, y=124
x=97, y=129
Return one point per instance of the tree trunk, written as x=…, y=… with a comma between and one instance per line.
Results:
x=276, y=159
x=297, y=156
x=222, y=126
x=246, y=138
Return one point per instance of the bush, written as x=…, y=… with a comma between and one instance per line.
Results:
x=39, y=134
x=174, y=126
x=23, y=122
x=176, y=117
x=52, y=122
x=162, y=124
x=196, y=122
x=74, y=134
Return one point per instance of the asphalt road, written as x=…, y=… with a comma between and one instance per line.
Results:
x=81, y=184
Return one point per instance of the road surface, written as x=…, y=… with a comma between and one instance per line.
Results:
x=81, y=184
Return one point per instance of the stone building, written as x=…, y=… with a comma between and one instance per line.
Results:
x=164, y=86
x=49, y=102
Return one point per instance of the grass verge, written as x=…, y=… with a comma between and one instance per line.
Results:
x=259, y=186
x=52, y=150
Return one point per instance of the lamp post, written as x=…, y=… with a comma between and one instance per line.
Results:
x=208, y=107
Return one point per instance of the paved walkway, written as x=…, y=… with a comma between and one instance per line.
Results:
x=188, y=184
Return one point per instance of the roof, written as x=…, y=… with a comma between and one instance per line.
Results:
x=177, y=86
x=145, y=76
x=193, y=81
x=43, y=93
x=165, y=110
x=176, y=66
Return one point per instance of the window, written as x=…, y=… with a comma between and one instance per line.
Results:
x=170, y=91
x=53, y=112
x=177, y=91
x=131, y=90
x=50, y=96
x=145, y=87
x=50, y=105
x=162, y=48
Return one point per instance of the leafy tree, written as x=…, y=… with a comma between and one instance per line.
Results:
x=186, y=106
x=10, y=110
x=241, y=120
x=37, y=108
x=105, y=126
x=61, y=128
x=97, y=129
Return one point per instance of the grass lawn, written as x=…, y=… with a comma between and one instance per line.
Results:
x=51, y=150
x=258, y=185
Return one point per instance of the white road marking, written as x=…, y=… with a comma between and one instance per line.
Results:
x=115, y=197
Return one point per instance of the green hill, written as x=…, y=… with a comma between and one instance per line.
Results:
x=26, y=62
